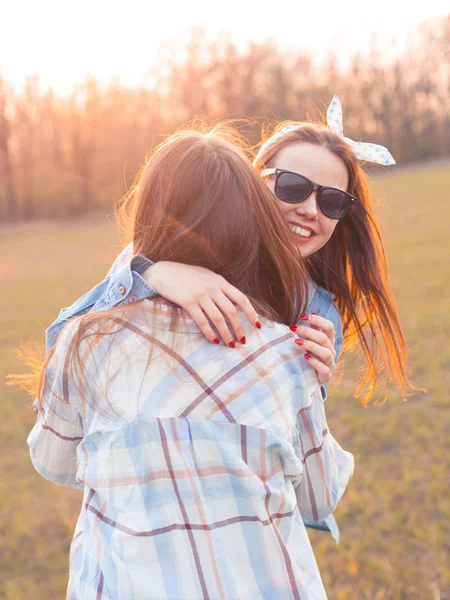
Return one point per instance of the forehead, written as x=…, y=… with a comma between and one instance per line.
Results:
x=314, y=162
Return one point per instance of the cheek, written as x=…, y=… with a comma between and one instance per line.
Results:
x=271, y=185
x=285, y=208
x=327, y=226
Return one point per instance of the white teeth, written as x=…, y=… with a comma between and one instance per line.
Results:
x=300, y=230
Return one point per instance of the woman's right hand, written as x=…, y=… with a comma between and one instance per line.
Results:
x=203, y=294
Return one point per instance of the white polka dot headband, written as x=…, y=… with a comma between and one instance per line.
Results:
x=366, y=152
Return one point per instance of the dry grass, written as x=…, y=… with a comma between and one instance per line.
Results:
x=395, y=517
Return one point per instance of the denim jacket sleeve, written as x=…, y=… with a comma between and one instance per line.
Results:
x=322, y=302
x=334, y=316
x=123, y=283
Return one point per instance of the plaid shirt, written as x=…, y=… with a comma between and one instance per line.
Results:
x=125, y=283
x=197, y=462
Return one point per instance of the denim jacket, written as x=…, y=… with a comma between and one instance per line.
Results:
x=124, y=283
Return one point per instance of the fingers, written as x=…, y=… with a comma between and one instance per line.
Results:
x=217, y=313
x=208, y=298
x=204, y=312
x=316, y=336
x=241, y=300
x=318, y=342
x=202, y=322
x=217, y=308
x=325, y=355
x=230, y=311
x=321, y=323
x=324, y=374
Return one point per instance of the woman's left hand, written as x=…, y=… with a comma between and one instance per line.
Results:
x=318, y=341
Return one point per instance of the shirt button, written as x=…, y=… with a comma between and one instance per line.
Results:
x=133, y=298
x=122, y=290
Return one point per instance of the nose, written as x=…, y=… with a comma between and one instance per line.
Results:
x=308, y=208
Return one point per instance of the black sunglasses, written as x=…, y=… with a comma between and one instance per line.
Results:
x=295, y=188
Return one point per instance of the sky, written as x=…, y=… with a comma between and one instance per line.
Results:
x=62, y=41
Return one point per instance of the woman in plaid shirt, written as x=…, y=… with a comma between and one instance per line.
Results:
x=198, y=462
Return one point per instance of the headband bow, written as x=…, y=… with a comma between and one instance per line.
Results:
x=366, y=152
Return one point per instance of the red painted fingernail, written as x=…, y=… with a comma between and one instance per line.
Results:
x=243, y=339
x=232, y=344
x=299, y=342
x=307, y=356
x=315, y=314
x=216, y=340
x=304, y=317
x=293, y=328
x=258, y=324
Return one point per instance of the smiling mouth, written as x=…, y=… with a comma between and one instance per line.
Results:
x=300, y=231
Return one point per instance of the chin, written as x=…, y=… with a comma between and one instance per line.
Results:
x=305, y=251
x=315, y=245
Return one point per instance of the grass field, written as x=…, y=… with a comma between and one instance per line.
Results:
x=395, y=516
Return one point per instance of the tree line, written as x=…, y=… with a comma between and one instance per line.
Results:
x=63, y=156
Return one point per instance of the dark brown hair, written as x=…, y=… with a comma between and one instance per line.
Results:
x=352, y=265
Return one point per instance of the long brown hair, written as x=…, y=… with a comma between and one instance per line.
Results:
x=198, y=201
x=352, y=265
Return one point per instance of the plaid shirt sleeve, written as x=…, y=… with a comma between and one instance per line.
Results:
x=54, y=439
x=327, y=468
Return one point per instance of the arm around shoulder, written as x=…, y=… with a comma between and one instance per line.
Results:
x=124, y=282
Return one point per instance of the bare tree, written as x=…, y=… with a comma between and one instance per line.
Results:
x=27, y=116
x=74, y=154
x=6, y=171
x=84, y=108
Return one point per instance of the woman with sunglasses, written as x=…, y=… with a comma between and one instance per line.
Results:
x=323, y=194
x=196, y=461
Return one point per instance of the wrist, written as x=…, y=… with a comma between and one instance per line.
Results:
x=154, y=275
x=150, y=275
